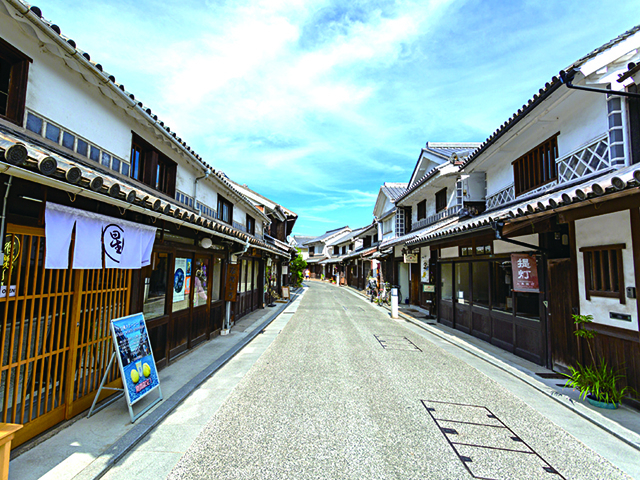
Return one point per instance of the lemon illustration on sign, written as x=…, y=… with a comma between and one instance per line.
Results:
x=135, y=376
x=146, y=370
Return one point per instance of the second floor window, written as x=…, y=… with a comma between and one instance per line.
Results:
x=537, y=167
x=225, y=210
x=441, y=200
x=422, y=210
x=14, y=68
x=344, y=250
x=312, y=251
x=151, y=167
x=366, y=241
x=251, y=225
x=336, y=250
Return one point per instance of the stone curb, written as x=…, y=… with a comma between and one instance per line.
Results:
x=595, y=418
x=102, y=464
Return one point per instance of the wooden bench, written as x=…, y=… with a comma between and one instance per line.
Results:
x=7, y=432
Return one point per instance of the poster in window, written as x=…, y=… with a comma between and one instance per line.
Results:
x=135, y=357
x=525, y=273
x=179, y=277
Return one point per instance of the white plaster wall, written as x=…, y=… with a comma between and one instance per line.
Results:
x=580, y=118
x=449, y=252
x=397, y=251
x=61, y=95
x=239, y=215
x=505, y=247
x=607, y=229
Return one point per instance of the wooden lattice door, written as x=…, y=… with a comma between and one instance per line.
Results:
x=54, y=336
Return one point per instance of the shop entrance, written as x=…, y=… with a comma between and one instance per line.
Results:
x=55, y=335
x=250, y=287
x=561, y=328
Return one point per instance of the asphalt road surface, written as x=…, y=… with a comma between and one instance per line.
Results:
x=345, y=392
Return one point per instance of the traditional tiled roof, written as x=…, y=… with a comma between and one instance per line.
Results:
x=624, y=181
x=47, y=30
x=394, y=190
x=29, y=160
x=316, y=259
x=543, y=94
x=347, y=237
x=302, y=239
x=430, y=174
x=327, y=234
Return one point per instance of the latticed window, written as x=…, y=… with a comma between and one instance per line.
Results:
x=603, y=272
x=536, y=167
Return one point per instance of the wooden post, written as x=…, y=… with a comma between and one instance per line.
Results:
x=7, y=432
x=74, y=322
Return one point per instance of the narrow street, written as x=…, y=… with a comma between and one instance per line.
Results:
x=346, y=392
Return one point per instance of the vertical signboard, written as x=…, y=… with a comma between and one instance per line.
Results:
x=525, y=273
x=231, y=283
x=424, y=267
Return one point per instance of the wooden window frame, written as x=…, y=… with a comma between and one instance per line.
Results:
x=421, y=210
x=537, y=167
x=336, y=250
x=312, y=251
x=251, y=225
x=221, y=202
x=441, y=200
x=614, y=253
x=18, y=77
x=153, y=168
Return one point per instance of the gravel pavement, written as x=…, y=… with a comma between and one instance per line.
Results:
x=345, y=392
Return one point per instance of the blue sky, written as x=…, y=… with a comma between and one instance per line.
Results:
x=315, y=104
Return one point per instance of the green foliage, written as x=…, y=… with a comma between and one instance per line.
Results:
x=296, y=267
x=599, y=381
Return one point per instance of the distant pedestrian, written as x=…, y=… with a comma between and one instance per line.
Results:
x=307, y=274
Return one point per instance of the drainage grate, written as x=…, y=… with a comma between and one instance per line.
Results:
x=485, y=445
x=397, y=342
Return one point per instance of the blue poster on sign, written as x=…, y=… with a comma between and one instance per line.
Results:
x=135, y=357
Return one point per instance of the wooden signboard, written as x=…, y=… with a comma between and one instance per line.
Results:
x=285, y=292
x=525, y=273
x=231, y=284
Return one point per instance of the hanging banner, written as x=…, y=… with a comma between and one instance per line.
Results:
x=135, y=357
x=100, y=240
x=424, y=267
x=525, y=273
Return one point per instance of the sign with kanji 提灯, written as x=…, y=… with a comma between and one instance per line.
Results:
x=525, y=273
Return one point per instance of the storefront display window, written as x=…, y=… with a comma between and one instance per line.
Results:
x=181, y=284
x=480, y=281
x=446, y=292
x=200, y=282
x=462, y=283
x=155, y=286
x=250, y=276
x=528, y=305
x=216, y=279
x=501, y=286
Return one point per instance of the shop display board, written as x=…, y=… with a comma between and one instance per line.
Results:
x=231, y=283
x=136, y=362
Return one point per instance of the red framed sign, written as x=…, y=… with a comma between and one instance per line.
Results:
x=525, y=273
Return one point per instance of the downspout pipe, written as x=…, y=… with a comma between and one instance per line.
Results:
x=567, y=79
x=227, y=319
x=4, y=212
x=195, y=189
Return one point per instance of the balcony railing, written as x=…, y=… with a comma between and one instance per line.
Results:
x=446, y=213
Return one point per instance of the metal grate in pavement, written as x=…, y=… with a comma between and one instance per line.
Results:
x=397, y=342
x=485, y=445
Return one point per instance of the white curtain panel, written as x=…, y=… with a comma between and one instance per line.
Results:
x=58, y=226
x=122, y=244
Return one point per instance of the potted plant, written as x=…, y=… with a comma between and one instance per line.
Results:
x=598, y=383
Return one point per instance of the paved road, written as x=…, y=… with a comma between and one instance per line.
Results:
x=345, y=392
